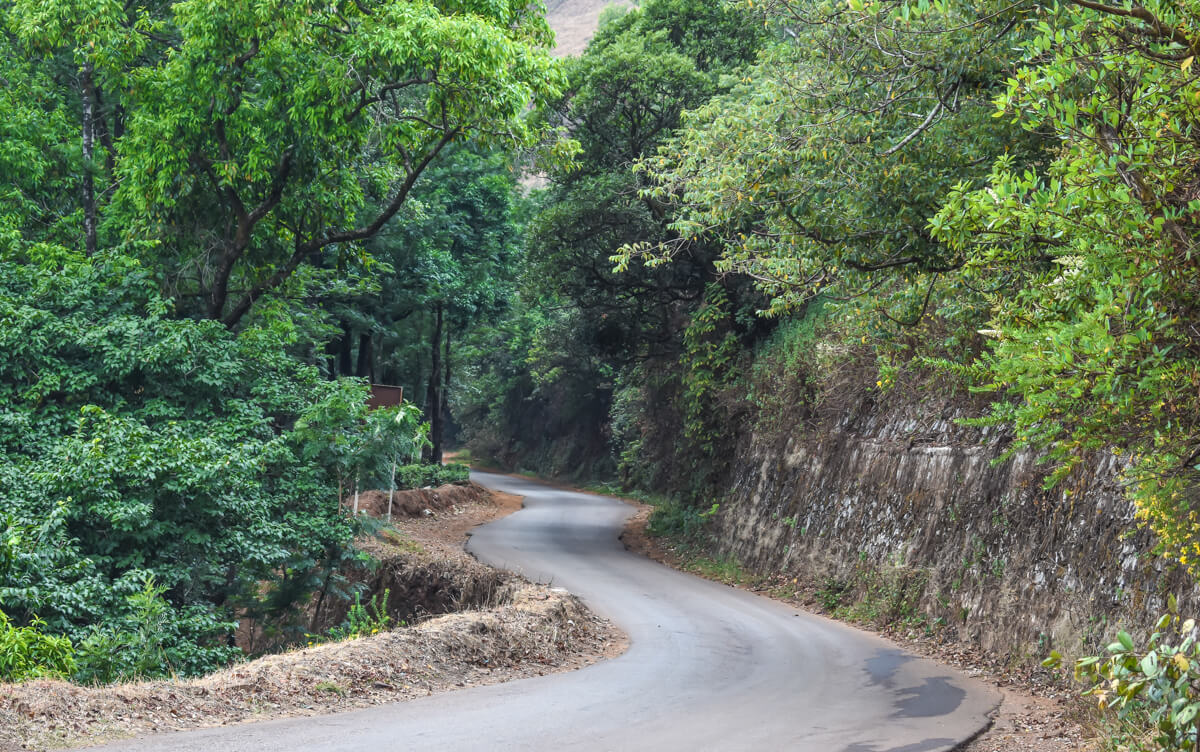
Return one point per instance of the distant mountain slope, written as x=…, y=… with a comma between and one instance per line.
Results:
x=574, y=22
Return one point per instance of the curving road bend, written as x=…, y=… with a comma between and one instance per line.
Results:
x=709, y=668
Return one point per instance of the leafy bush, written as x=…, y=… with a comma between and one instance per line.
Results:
x=362, y=621
x=1158, y=686
x=28, y=653
x=137, y=444
x=424, y=476
x=147, y=640
x=1097, y=344
x=832, y=593
x=882, y=595
x=673, y=519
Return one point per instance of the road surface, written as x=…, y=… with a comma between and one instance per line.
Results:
x=710, y=667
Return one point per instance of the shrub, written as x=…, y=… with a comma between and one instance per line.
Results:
x=151, y=638
x=422, y=476
x=1157, y=687
x=27, y=653
x=133, y=442
x=673, y=519
x=362, y=621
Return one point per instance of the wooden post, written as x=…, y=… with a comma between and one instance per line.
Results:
x=392, y=492
x=356, y=496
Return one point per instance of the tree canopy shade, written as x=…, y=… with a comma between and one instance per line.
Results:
x=580, y=333
x=248, y=137
x=447, y=266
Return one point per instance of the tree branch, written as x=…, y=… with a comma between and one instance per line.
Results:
x=928, y=121
x=304, y=250
x=366, y=102
x=1160, y=29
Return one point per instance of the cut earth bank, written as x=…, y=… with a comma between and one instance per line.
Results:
x=494, y=627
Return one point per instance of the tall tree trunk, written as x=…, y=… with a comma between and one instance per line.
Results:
x=433, y=398
x=446, y=384
x=316, y=617
x=104, y=134
x=345, y=363
x=332, y=348
x=364, y=356
x=87, y=91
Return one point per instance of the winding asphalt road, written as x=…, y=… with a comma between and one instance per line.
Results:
x=709, y=668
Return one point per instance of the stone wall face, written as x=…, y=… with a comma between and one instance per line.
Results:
x=1008, y=565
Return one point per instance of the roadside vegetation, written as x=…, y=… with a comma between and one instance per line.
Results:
x=219, y=221
x=429, y=619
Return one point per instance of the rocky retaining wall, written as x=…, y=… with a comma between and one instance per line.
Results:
x=986, y=551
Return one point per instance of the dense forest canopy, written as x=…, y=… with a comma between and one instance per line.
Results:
x=220, y=218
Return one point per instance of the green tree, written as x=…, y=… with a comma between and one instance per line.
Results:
x=1090, y=260
x=583, y=333
x=38, y=157
x=819, y=170
x=248, y=138
x=137, y=444
x=446, y=266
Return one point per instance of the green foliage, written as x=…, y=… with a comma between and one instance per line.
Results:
x=589, y=349
x=682, y=522
x=427, y=476
x=28, y=653
x=1089, y=260
x=685, y=529
x=880, y=595
x=38, y=165
x=455, y=244
x=818, y=170
x=144, y=640
x=629, y=91
x=331, y=687
x=832, y=592
x=710, y=358
x=362, y=621
x=718, y=37
x=884, y=595
x=1155, y=685
x=173, y=453
x=246, y=138
x=852, y=161
x=137, y=444
x=723, y=568
x=1008, y=194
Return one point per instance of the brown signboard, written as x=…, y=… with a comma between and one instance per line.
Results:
x=385, y=396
